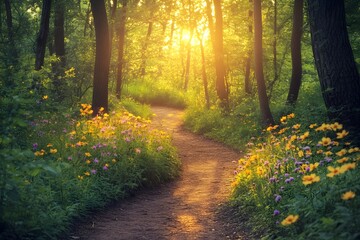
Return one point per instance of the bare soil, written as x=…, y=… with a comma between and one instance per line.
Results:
x=192, y=207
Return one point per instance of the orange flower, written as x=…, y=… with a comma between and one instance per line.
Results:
x=336, y=126
x=347, y=167
x=342, y=160
x=341, y=153
x=348, y=195
x=290, y=220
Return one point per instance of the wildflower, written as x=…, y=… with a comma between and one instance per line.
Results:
x=347, y=167
x=325, y=141
x=301, y=153
x=49, y=145
x=290, y=220
x=39, y=153
x=296, y=126
x=291, y=115
x=328, y=153
x=336, y=126
x=304, y=136
x=283, y=119
x=96, y=160
x=106, y=167
x=70, y=158
x=309, y=179
x=277, y=198
x=333, y=171
x=137, y=150
x=313, y=166
x=45, y=97
x=342, y=160
x=87, y=154
x=260, y=171
x=342, y=134
x=312, y=125
x=341, y=153
x=53, y=150
x=160, y=148
x=276, y=212
x=93, y=171
x=87, y=174
x=35, y=146
x=113, y=160
x=348, y=195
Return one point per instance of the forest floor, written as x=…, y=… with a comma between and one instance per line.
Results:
x=191, y=207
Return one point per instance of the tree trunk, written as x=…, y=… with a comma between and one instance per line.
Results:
x=112, y=23
x=188, y=58
x=87, y=17
x=43, y=34
x=121, y=33
x=145, y=46
x=9, y=23
x=334, y=60
x=275, y=65
x=247, y=82
x=102, y=58
x=59, y=46
x=203, y=74
x=296, y=35
x=263, y=99
x=219, y=57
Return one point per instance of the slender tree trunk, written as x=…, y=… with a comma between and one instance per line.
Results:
x=102, y=58
x=263, y=99
x=203, y=74
x=210, y=22
x=112, y=23
x=43, y=34
x=144, y=49
x=59, y=46
x=296, y=35
x=219, y=57
x=122, y=29
x=9, y=23
x=275, y=65
x=188, y=60
x=334, y=60
x=247, y=82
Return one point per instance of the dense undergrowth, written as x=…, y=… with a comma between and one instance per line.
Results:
x=59, y=165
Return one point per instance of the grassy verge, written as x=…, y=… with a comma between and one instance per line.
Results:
x=77, y=163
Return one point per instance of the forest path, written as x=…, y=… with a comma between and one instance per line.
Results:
x=188, y=208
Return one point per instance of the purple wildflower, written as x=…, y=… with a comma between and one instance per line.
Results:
x=35, y=146
x=93, y=171
x=276, y=212
x=96, y=160
x=277, y=198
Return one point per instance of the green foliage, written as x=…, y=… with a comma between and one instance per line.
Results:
x=77, y=164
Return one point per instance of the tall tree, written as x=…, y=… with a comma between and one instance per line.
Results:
x=9, y=23
x=247, y=82
x=102, y=58
x=334, y=60
x=266, y=115
x=203, y=70
x=43, y=34
x=221, y=89
x=296, y=35
x=121, y=45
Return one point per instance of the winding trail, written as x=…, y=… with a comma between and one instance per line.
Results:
x=188, y=208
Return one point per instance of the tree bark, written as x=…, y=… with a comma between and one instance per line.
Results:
x=121, y=33
x=43, y=34
x=275, y=65
x=296, y=35
x=203, y=73
x=9, y=23
x=334, y=60
x=219, y=57
x=102, y=58
x=112, y=23
x=188, y=58
x=145, y=46
x=247, y=82
x=263, y=99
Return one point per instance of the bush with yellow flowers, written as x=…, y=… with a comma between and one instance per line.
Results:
x=301, y=182
x=79, y=163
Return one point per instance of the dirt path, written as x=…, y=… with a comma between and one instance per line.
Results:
x=185, y=209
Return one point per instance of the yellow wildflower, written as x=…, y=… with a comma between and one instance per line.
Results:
x=87, y=154
x=53, y=150
x=309, y=179
x=342, y=160
x=45, y=97
x=313, y=166
x=290, y=220
x=87, y=174
x=49, y=145
x=348, y=195
x=304, y=136
x=328, y=153
x=312, y=125
x=342, y=134
x=301, y=153
x=334, y=171
x=87, y=161
x=283, y=119
x=336, y=126
x=325, y=141
x=341, y=153
x=291, y=115
x=347, y=167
